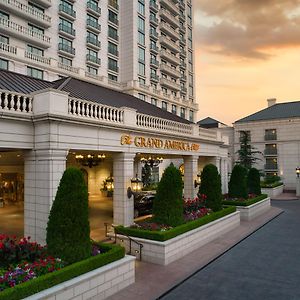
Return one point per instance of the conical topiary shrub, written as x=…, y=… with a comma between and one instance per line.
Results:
x=254, y=182
x=168, y=204
x=211, y=187
x=238, y=182
x=68, y=230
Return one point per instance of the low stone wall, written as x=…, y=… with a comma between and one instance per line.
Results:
x=97, y=284
x=250, y=212
x=273, y=192
x=163, y=253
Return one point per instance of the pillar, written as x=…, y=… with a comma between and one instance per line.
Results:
x=43, y=170
x=123, y=172
x=224, y=175
x=190, y=175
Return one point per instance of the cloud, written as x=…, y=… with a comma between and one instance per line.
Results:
x=247, y=28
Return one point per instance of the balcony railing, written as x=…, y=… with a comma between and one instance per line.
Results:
x=171, y=6
x=113, y=68
x=93, y=59
x=154, y=77
x=15, y=102
x=170, y=57
x=169, y=17
x=8, y=48
x=169, y=43
x=169, y=30
x=153, y=33
x=170, y=84
x=68, y=68
x=67, y=29
x=91, y=6
x=153, y=6
x=113, y=4
x=24, y=31
x=270, y=151
x=153, y=47
x=170, y=70
x=94, y=25
x=270, y=137
x=93, y=41
x=153, y=19
x=67, y=10
x=154, y=62
x=37, y=58
x=66, y=48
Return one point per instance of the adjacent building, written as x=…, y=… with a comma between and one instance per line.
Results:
x=143, y=48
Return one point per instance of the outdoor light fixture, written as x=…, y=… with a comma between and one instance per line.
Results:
x=298, y=171
x=198, y=180
x=152, y=161
x=110, y=183
x=136, y=186
x=90, y=160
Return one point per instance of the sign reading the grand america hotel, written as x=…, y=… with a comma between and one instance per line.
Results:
x=155, y=143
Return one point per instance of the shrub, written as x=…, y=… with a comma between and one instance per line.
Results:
x=168, y=204
x=254, y=182
x=238, y=182
x=245, y=202
x=269, y=179
x=211, y=187
x=68, y=230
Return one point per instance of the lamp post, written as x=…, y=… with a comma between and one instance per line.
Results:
x=298, y=182
x=136, y=186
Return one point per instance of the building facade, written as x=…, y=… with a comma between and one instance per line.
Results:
x=144, y=48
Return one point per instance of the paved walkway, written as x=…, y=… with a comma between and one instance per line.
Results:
x=265, y=266
x=286, y=197
x=153, y=280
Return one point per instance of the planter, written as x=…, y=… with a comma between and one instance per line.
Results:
x=250, y=212
x=163, y=253
x=98, y=284
x=273, y=192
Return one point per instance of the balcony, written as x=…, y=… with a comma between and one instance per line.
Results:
x=153, y=20
x=6, y=48
x=182, y=16
x=183, y=77
x=270, y=137
x=38, y=58
x=169, y=44
x=170, y=84
x=170, y=57
x=153, y=48
x=93, y=9
x=93, y=42
x=183, y=53
x=113, y=21
x=166, y=28
x=66, y=49
x=166, y=15
x=182, y=29
x=271, y=166
x=153, y=34
x=68, y=68
x=154, y=62
x=26, y=12
x=183, y=65
x=169, y=70
x=113, y=4
x=181, y=4
x=67, y=12
x=92, y=25
x=270, y=151
x=113, y=68
x=66, y=31
x=154, y=77
x=153, y=6
x=171, y=6
x=93, y=60
x=24, y=33
x=44, y=3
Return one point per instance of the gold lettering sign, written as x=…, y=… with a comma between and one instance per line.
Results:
x=155, y=143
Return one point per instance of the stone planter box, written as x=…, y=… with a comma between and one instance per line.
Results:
x=273, y=192
x=163, y=253
x=97, y=284
x=250, y=212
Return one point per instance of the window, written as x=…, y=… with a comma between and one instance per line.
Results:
x=141, y=7
x=3, y=64
x=112, y=77
x=154, y=101
x=142, y=97
x=182, y=112
x=141, y=38
x=36, y=73
x=191, y=116
x=191, y=91
x=164, y=90
x=92, y=70
x=4, y=39
x=35, y=50
x=113, y=17
x=3, y=15
x=113, y=33
x=66, y=45
x=141, y=70
x=36, y=29
x=113, y=48
x=113, y=65
x=36, y=8
x=270, y=134
x=65, y=61
x=174, y=109
x=164, y=105
x=141, y=55
x=141, y=25
x=244, y=134
x=142, y=80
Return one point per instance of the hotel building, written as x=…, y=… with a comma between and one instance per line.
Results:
x=143, y=48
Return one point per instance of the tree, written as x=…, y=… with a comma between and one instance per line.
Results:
x=247, y=153
x=68, y=230
x=211, y=187
x=254, y=181
x=168, y=204
x=238, y=182
x=146, y=175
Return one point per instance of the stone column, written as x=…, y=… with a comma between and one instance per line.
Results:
x=190, y=175
x=217, y=163
x=224, y=175
x=123, y=171
x=43, y=170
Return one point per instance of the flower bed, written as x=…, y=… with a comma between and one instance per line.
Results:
x=273, y=191
x=164, y=235
x=26, y=269
x=245, y=202
x=270, y=185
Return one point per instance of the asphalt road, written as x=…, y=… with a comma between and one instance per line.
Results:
x=264, y=266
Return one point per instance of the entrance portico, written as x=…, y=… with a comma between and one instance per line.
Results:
x=51, y=124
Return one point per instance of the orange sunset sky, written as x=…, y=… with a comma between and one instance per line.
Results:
x=246, y=51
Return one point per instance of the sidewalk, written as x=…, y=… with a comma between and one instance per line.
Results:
x=286, y=197
x=152, y=281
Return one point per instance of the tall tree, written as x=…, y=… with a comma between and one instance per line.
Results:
x=247, y=153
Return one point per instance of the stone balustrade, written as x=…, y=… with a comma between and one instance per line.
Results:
x=15, y=102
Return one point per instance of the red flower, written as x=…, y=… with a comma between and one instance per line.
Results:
x=1, y=245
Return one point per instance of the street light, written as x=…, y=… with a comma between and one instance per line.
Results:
x=136, y=186
x=298, y=171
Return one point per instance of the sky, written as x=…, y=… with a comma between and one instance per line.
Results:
x=246, y=52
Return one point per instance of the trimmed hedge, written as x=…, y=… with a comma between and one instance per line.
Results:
x=162, y=236
x=246, y=202
x=270, y=185
x=26, y=289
